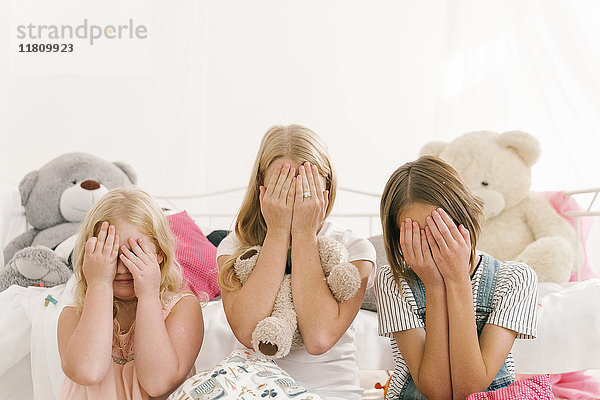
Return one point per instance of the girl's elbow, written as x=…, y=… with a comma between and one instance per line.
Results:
x=84, y=376
x=318, y=345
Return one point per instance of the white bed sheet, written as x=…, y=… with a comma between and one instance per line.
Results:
x=569, y=322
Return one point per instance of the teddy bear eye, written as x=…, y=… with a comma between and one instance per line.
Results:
x=74, y=182
x=484, y=183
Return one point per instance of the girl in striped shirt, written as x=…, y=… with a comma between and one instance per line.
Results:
x=452, y=314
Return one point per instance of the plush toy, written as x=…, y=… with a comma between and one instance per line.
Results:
x=277, y=334
x=520, y=225
x=56, y=199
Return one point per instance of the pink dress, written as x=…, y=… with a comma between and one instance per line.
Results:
x=121, y=382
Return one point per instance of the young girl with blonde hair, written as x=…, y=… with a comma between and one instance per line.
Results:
x=290, y=195
x=452, y=314
x=132, y=332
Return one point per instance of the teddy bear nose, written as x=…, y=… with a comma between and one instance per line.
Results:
x=90, y=185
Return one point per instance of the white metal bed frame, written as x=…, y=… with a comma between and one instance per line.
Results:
x=586, y=198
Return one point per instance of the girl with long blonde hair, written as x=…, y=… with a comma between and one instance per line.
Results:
x=291, y=193
x=133, y=333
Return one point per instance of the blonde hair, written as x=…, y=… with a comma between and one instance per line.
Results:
x=294, y=141
x=432, y=181
x=137, y=207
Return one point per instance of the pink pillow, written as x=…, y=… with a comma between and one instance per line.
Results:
x=196, y=255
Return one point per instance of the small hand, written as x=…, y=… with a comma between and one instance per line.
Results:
x=100, y=257
x=450, y=245
x=277, y=200
x=310, y=205
x=417, y=254
x=143, y=265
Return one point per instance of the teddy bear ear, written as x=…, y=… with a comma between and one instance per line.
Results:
x=523, y=144
x=128, y=171
x=26, y=186
x=432, y=149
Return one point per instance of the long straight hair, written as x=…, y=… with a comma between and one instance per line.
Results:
x=294, y=141
x=427, y=180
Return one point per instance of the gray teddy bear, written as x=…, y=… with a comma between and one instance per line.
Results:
x=56, y=199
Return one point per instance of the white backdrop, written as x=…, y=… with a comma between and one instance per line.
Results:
x=376, y=79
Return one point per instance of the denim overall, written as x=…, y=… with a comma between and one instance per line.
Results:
x=483, y=307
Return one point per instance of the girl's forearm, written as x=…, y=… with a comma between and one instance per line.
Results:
x=157, y=366
x=316, y=308
x=467, y=367
x=255, y=299
x=434, y=378
x=89, y=351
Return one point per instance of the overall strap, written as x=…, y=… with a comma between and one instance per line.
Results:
x=418, y=289
x=487, y=284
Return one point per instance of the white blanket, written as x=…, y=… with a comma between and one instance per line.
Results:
x=568, y=332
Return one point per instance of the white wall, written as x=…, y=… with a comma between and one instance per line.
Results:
x=376, y=79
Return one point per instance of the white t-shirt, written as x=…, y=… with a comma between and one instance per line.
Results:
x=514, y=306
x=333, y=374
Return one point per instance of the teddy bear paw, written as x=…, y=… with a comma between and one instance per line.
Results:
x=343, y=281
x=245, y=262
x=40, y=263
x=272, y=337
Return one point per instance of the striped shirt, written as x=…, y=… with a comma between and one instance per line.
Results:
x=514, y=307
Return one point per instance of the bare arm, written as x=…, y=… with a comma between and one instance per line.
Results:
x=426, y=352
x=85, y=342
x=321, y=319
x=254, y=301
x=165, y=350
x=473, y=363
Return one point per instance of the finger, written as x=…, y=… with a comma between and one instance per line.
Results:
x=427, y=257
x=305, y=186
x=442, y=227
x=291, y=196
x=147, y=250
x=90, y=245
x=416, y=241
x=115, y=248
x=281, y=180
x=130, y=265
x=433, y=246
x=326, y=198
x=130, y=256
x=456, y=235
x=319, y=183
x=261, y=194
x=311, y=179
x=110, y=240
x=437, y=235
x=102, y=236
x=407, y=249
x=137, y=250
x=272, y=183
x=286, y=185
x=465, y=234
x=298, y=196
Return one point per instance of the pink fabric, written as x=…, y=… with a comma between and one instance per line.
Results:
x=121, y=381
x=558, y=201
x=196, y=255
x=575, y=386
x=535, y=387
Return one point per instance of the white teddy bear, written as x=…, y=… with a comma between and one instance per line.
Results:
x=520, y=225
x=277, y=334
